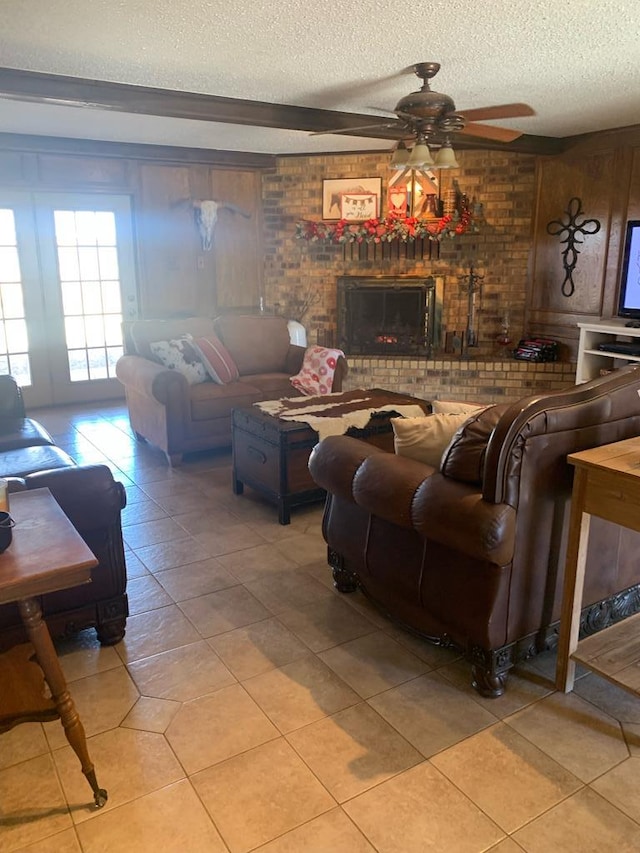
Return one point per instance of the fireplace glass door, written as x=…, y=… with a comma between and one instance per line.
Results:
x=387, y=316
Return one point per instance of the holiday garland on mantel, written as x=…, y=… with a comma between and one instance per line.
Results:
x=376, y=230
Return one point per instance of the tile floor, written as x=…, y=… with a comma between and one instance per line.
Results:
x=252, y=707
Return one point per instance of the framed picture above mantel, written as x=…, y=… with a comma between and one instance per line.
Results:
x=352, y=199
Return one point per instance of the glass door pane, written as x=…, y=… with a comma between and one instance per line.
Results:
x=90, y=287
x=88, y=270
x=14, y=339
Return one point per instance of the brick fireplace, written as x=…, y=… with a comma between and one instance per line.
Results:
x=505, y=183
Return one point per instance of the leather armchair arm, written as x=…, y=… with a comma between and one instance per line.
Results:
x=456, y=515
x=415, y=496
x=152, y=380
x=334, y=462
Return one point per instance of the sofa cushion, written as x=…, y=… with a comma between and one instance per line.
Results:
x=209, y=400
x=272, y=386
x=463, y=459
x=425, y=439
x=257, y=343
x=180, y=355
x=143, y=332
x=216, y=358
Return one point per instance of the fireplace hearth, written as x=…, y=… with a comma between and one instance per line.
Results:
x=389, y=315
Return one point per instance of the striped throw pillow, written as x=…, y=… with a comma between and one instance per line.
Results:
x=216, y=359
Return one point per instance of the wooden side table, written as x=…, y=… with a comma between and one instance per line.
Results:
x=607, y=485
x=47, y=554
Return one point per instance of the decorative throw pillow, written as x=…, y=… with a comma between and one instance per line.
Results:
x=180, y=355
x=216, y=358
x=425, y=439
x=445, y=407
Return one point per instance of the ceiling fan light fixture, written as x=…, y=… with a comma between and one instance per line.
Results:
x=400, y=157
x=446, y=158
x=420, y=155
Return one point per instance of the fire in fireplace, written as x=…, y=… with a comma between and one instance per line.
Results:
x=389, y=315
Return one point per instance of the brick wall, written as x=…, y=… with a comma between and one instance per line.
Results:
x=481, y=381
x=503, y=183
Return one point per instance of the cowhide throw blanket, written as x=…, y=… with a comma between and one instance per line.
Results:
x=334, y=414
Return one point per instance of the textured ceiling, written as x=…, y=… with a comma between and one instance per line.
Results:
x=576, y=62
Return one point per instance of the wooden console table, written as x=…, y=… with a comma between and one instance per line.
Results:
x=47, y=554
x=607, y=485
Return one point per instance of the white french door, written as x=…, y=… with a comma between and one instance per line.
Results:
x=67, y=279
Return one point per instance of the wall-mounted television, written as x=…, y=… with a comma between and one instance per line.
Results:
x=629, y=299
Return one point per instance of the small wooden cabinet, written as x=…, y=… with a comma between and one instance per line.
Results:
x=591, y=360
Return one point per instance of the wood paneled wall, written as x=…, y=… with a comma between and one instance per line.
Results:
x=603, y=170
x=174, y=274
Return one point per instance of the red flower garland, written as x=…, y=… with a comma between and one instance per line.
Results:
x=385, y=230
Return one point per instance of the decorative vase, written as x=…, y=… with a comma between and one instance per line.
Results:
x=297, y=333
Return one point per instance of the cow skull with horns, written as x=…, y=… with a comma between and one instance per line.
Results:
x=206, y=215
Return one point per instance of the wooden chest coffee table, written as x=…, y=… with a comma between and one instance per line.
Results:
x=270, y=454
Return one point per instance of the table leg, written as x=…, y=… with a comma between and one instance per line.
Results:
x=284, y=511
x=574, y=572
x=40, y=638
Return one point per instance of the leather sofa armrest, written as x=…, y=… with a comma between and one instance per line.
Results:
x=342, y=368
x=11, y=401
x=88, y=494
x=456, y=515
x=294, y=359
x=152, y=380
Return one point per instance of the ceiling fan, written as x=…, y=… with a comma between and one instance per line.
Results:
x=430, y=118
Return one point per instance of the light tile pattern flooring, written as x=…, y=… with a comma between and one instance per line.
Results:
x=252, y=707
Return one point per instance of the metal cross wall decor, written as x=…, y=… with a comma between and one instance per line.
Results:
x=573, y=229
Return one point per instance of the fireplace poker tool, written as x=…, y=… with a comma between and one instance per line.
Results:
x=471, y=284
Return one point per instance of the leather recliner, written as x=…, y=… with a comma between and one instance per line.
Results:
x=472, y=555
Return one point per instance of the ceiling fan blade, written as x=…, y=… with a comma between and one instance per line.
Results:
x=499, y=111
x=378, y=126
x=486, y=131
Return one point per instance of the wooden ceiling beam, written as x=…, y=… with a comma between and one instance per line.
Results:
x=40, y=88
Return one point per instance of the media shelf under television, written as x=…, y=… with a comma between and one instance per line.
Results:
x=592, y=360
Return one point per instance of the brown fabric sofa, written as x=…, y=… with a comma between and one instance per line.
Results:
x=179, y=418
x=472, y=555
x=92, y=500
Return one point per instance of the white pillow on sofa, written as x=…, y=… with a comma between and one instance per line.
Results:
x=180, y=355
x=425, y=439
x=451, y=407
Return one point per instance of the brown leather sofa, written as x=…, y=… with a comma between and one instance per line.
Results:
x=91, y=499
x=472, y=555
x=179, y=418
